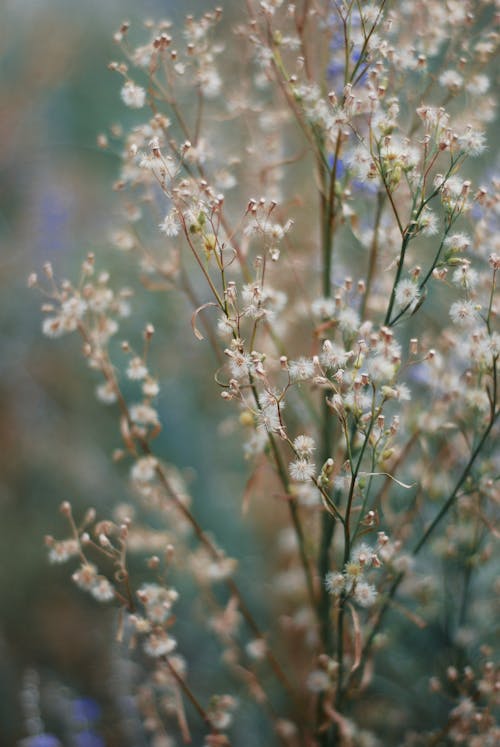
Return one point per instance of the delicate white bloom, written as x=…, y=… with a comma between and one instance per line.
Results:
x=428, y=223
x=143, y=414
x=133, y=96
x=269, y=418
x=335, y=583
x=256, y=649
x=159, y=643
x=157, y=601
x=478, y=85
x=171, y=225
x=150, y=387
x=362, y=555
x=463, y=313
x=360, y=162
x=123, y=240
x=302, y=470
x=365, y=594
x=210, y=82
x=333, y=356
x=106, y=393
x=407, y=293
x=53, y=326
x=61, y=551
x=301, y=369
x=224, y=327
x=101, y=299
x=457, y=242
x=380, y=369
x=85, y=577
x=465, y=277
x=349, y=320
x=144, y=469
x=403, y=393
x=451, y=80
x=304, y=445
x=72, y=310
x=136, y=369
x=102, y=590
x=240, y=364
x=473, y=142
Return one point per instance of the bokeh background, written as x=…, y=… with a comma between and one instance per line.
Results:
x=56, y=204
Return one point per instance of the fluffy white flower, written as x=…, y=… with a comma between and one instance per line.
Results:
x=335, y=583
x=463, y=313
x=133, y=96
x=365, y=594
x=407, y=293
x=302, y=470
x=301, y=369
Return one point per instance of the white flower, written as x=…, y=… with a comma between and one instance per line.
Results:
x=136, y=369
x=256, y=649
x=240, y=364
x=478, y=85
x=101, y=299
x=463, y=313
x=304, y=445
x=407, y=293
x=365, y=594
x=85, y=577
x=150, y=387
x=210, y=82
x=143, y=414
x=144, y=469
x=302, y=470
x=106, y=393
x=451, y=80
x=60, y=552
x=457, y=242
x=465, y=277
x=133, y=96
x=52, y=326
x=380, y=369
x=362, y=555
x=159, y=644
x=333, y=356
x=170, y=225
x=102, y=590
x=348, y=321
x=428, y=223
x=473, y=142
x=123, y=240
x=72, y=310
x=301, y=369
x=335, y=583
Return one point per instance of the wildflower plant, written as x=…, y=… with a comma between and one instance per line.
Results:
x=306, y=181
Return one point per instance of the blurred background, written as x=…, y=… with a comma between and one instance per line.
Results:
x=57, y=204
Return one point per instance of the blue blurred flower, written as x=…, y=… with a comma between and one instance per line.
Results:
x=88, y=739
x=340, y=166
x=86, y=711
x=41, y=740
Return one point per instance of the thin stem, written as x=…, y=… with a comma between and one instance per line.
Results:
x=372, y=264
